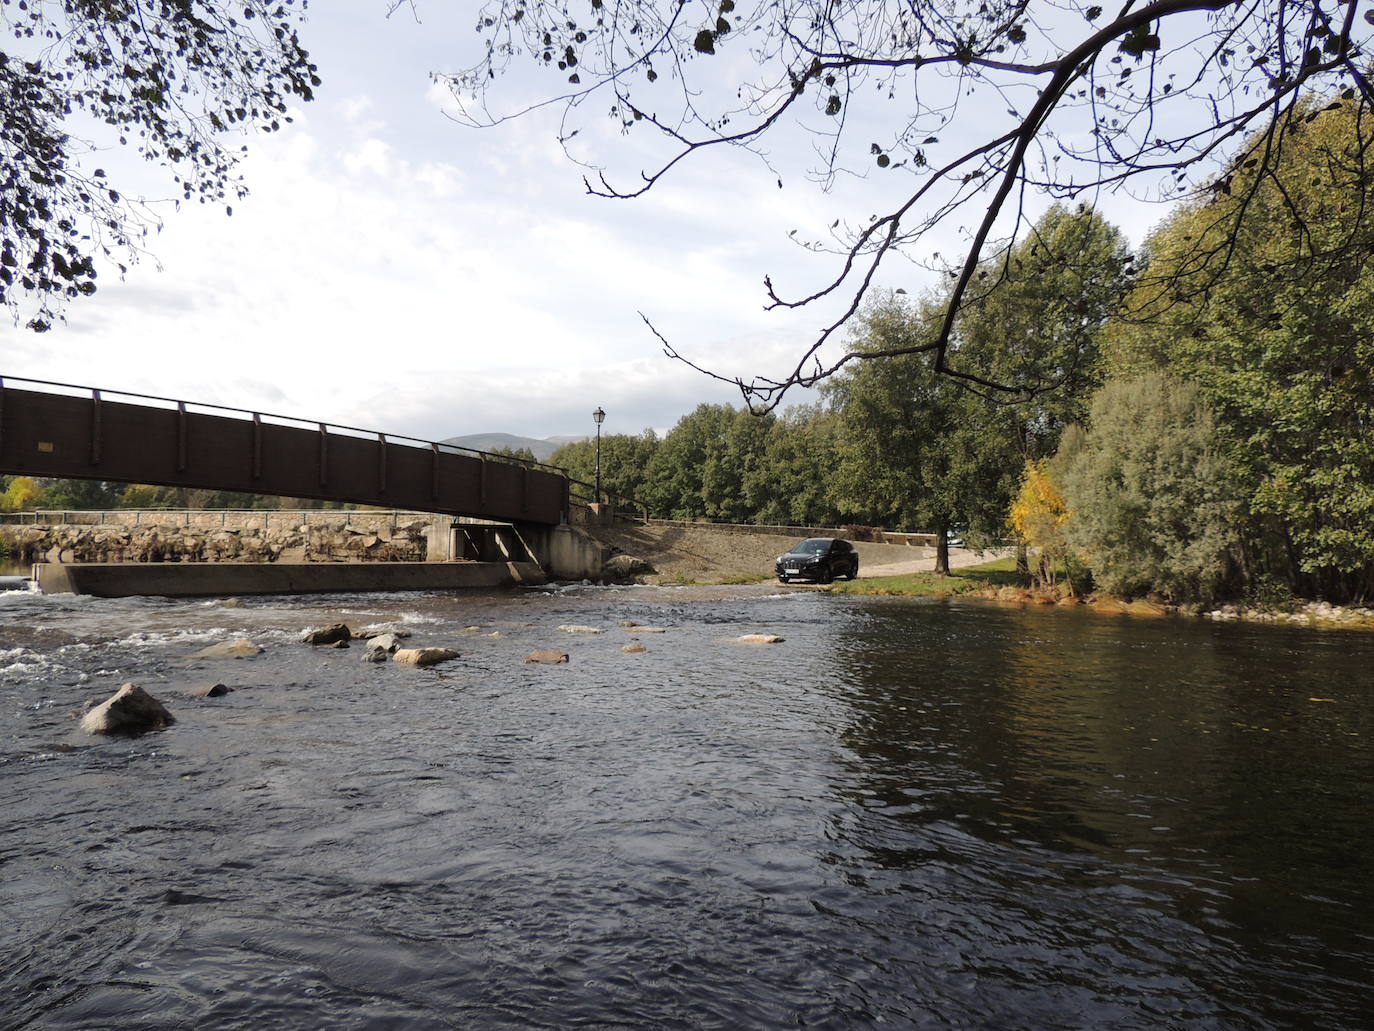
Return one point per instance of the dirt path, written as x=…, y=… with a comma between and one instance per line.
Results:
x=714, y=556
x=958, y=559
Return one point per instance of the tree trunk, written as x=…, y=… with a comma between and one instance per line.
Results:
x=942, y=547
x=1022, y=559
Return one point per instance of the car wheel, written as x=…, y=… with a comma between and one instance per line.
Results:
x=827, y=575
x=782, y=579
x=854, y=571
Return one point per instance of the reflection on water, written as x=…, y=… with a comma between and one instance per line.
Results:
x=908, y=814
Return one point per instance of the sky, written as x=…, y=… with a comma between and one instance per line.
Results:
x=394, y=270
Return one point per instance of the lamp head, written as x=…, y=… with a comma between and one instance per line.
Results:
x=599, y=416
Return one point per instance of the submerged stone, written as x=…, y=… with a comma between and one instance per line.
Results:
x=240, y=649
x=547, y=656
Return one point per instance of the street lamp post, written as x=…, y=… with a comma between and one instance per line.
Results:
x=599, y=416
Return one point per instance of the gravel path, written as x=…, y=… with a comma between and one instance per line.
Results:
x=712, y=556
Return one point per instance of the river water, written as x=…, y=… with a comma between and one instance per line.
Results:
x=909, y=814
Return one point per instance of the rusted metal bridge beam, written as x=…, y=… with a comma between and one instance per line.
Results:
x=94, y=438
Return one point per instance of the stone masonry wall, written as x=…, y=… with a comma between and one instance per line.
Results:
x=233, y=536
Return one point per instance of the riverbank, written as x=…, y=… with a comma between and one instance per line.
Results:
x=690, y=555
x=997, y=580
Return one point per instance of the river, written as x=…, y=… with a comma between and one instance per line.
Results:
x=909, y=814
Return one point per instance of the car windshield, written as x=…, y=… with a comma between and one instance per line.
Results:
x=812, y=546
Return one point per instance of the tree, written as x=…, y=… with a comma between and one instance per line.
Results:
x=1042, y=322
x=171, y=79
x=916, y=449
x=736, y=483
x=1038, y=516
x=1154, y=499
x=675, y=473
x=801, y=457
x=1275, y=324
x=625, y=458
x=1071, y=101
x=21, y=493
x=79, y=494
x=517, y=455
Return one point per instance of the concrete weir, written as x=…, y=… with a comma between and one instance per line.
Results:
x=182, y=553
x=189, y=579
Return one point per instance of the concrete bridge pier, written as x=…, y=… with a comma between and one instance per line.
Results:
x=564, y=552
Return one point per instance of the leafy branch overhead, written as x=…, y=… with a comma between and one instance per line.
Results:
x=971, y=109
x=170, y=79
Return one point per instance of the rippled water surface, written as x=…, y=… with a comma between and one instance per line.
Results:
x=908, y=814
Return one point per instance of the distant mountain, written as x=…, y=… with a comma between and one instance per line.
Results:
x=541, y=449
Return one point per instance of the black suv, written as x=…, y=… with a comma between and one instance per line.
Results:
x=818, y=558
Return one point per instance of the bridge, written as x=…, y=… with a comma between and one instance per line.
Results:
x=65, y=431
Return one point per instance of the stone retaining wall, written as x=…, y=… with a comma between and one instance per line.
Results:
x=235, y=536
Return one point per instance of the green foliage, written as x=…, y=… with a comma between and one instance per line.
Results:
x=736, y=479
x=1152, y=497
x=78, y=494
x=624, y=460
x=168, y=79
x=1276, y=326
x=1042, y=323
x=916, y=450
x=676, y=473
x=801, y=456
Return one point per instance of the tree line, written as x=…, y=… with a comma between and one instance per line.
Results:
x=29, y=493
x=1201, y=418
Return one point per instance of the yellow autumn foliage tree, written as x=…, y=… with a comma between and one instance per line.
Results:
x=1038, y=516
x=22, y=493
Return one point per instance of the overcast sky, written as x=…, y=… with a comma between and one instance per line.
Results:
x=394, y=270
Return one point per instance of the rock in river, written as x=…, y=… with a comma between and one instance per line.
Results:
x=622, y=568
x=130, y=710
x=424, y=656
x=759, y=639
x=547, y=656
x=380, y=648
x=240, y=649
x=209, y=691
x=327, y=634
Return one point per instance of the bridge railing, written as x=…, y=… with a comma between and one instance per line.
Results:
x=263, y=431
x=626, y=508
x=98, y=394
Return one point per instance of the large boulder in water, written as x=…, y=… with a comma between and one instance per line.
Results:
x=624, y=568
x=328, y=634
x=380, y=648
x=130, y=710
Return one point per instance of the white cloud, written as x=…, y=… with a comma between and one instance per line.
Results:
x=393, y=269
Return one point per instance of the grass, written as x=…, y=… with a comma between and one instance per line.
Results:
x=998, y=573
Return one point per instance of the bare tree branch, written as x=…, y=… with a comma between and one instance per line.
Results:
x=1153, y=99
